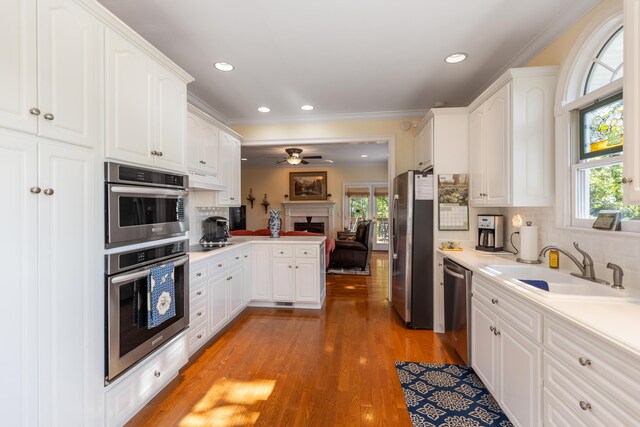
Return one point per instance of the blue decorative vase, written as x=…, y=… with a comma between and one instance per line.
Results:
x=274, y=223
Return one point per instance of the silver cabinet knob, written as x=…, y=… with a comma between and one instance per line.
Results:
x=305, y=252
x=584, y=405
x=156, y=374
x=492, y=328
x=199, y=313
x=48, y=116
x=198, y=274
x=35, y=111
x=204, y=163
x=584, y=361
x=494, y=301
x=626, y=180
x=237, y=257
x=35, y=190
x=289, y=266
x=199, y=293
x=296, y=266
x=496, y=332
x=230, y=277
x=199, y=336
x=160, y=153
x=281, y=252
x=48, y=191
x=246, y=256
x=154, y=153
x=420, y=164
x=232, y=198
x=220, y=265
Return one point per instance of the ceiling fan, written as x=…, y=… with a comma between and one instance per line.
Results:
x=294, y=157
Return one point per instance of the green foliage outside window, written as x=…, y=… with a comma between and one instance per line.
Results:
x=605, y=192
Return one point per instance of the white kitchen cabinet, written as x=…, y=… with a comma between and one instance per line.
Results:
x=202, y=143
x=282, y=280
x=305, y=272
x=423, y=145
x=236, y=295
x=229, y=170
x=58, y=97
x=511, y=136
x=261, y=266
x=219, y=312
x=247, y=275
x=55, y=342
x=507, y=354
x=146, y=107
x=631, y=84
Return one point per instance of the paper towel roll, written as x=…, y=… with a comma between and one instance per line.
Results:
x=529, y=242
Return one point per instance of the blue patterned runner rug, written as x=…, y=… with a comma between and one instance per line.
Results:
x=447, y=395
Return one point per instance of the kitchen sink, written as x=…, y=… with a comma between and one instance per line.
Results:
x=560, y=284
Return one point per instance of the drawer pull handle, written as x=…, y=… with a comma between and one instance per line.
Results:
x=198, y=274
x=494, y=301
x=296, y=266
x=230, y=277
x=156, y=374
x=584, y=405
x=199, y=313
x=34, y=111
x=220, y=265
x=199, y=293
x=289, y=266
x=199, y=336
x=584, y=361
x=237, y=257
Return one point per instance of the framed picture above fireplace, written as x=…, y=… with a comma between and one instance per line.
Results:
x=307, y=186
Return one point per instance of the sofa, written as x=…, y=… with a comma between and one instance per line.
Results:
x=354, y=253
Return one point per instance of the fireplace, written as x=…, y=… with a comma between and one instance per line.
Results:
x=309, y=226
x=313, y=216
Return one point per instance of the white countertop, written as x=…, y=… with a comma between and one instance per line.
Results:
x=614, y=319
x=239, y=242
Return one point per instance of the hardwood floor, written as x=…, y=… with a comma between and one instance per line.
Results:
x=285, y=367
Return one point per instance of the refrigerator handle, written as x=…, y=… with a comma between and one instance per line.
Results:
x=394, y=239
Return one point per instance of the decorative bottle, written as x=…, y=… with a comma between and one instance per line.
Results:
x=274, y=223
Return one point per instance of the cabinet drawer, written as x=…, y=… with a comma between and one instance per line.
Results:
x=557, y=414
x=595, y=361
x=197, y=337
x=217, y=265
x=125, y=398
x=235, y=259
x=197, y=293
x=198, y=272
x=198, y=314
x=306, y=251
x=575, y=392
x=279, y=251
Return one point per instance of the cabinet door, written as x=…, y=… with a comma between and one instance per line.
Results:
x=171, y=114
x=307, y=280
x=282, y=279
x=18, y=86
x=19, y=266
x=130, y=101
x=484, y=353
x=68, y=77
x=236, y=299
x=224, y=169
x=234, y=184
x=426, y=151
x=246, y=275
x=476, y=156
x=218, y=314
x=194, y=141
x=520, y=390
x=631, y=101
x=68, y=288
x=261, y=267
x=497, y=147
x=418, y=148
x=209, y=149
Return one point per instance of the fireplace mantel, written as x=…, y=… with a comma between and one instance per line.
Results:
x=319, y=211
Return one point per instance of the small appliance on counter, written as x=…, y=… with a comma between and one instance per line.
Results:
x=216, y=232
x=490, y=233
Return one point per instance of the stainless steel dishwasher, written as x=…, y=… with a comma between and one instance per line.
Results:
x=457, y=308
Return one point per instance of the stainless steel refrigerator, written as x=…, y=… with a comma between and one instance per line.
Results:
x=412, y=244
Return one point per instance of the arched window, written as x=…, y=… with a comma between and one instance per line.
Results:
x=607, y=65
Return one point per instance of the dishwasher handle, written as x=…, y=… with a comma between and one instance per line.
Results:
x=453, y=273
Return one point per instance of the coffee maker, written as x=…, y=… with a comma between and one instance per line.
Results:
x=490, y=233
x=216, y=231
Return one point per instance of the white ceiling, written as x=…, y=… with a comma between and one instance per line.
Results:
x=344, y=57
x=342, y=154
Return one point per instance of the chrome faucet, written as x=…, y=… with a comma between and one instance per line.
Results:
x=586, y=266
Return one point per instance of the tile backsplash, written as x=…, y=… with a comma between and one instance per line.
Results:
x=603, y=246
x=202, y=206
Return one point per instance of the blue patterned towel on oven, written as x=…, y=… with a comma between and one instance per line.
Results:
x=161, y=295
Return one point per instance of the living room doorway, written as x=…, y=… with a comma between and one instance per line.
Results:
x=368, y=200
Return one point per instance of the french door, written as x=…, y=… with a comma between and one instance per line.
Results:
x=368, y=200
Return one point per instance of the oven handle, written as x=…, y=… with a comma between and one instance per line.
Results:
x=150, y=191
x=140, y=274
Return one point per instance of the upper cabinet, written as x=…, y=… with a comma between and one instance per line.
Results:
x=51, y=80
x=229, y=171
x=423, y=145
x=631, y=180
x=202, y=144
x=511, y=136
x=146, y=107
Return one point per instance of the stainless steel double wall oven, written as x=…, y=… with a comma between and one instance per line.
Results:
x=142, y=206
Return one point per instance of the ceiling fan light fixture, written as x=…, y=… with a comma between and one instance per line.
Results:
x=294, y=160
x=454, y=58
x=223, y=66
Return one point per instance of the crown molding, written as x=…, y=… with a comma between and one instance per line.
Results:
x=380, y=115
x=547, y=35
x=197, y=102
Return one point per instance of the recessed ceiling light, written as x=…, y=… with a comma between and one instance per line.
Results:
x=363, y=155
x=329, y=161
x=454, y=58
x=243, y=159
x=307, y=107
x=223, y=66
x=264, y=109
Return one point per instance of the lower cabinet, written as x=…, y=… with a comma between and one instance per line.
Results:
x=247, y=275
x=282, y=279
x=261, y=280
x=507, y=360
x=218, y=314
x=236, y=292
